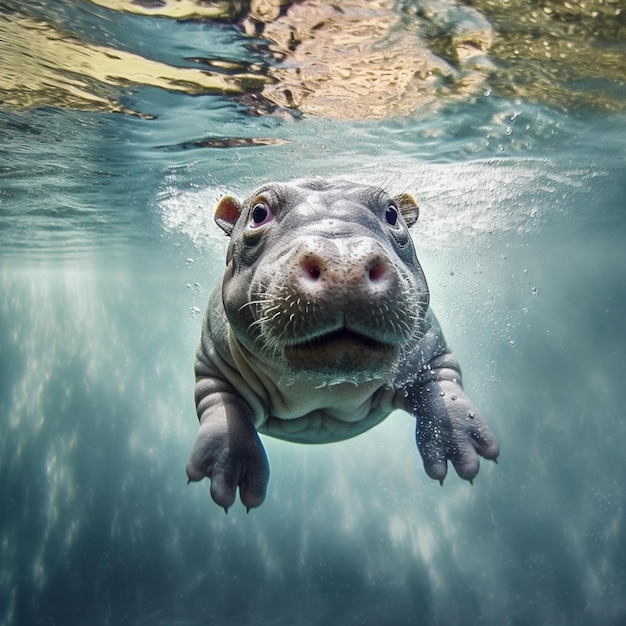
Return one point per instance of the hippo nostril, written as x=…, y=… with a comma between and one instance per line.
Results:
x=311, y=268
x=377, y=272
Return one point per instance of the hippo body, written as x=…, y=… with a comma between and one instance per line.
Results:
x=322, y=328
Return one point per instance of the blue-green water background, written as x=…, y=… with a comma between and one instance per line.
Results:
x=107, y=256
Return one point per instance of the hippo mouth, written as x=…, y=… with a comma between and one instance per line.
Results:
x=342, y=335
x=341, y=351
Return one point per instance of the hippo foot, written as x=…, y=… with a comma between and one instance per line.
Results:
x=230, y=460
x=450, y=428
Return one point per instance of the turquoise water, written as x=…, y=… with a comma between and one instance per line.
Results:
x=107, y=256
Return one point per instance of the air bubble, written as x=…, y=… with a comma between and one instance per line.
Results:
x=452, y=397
x=471, y=415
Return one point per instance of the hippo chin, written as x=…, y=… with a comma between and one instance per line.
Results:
x=322, y=327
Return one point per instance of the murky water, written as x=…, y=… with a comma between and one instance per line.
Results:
x=121, y=123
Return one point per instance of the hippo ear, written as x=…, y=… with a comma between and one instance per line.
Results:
x=227, y=213
x=408, y=207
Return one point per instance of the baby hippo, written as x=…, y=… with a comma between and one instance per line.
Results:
x=321, y=328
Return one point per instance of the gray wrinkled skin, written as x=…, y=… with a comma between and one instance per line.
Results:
x=322, y=327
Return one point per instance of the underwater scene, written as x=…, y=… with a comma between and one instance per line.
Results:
x=123, y=123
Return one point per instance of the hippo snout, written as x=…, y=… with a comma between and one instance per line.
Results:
x=356, y=268
x=343, y=304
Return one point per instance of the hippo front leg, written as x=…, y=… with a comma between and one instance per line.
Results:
x=227, y=448
x=449, y=427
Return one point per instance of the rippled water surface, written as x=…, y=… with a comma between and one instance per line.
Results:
x=122, y=123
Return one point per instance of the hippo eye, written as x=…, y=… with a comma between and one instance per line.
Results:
x=391, y=214
x=261, y=214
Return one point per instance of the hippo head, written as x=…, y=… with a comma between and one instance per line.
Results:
x=322, y=280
